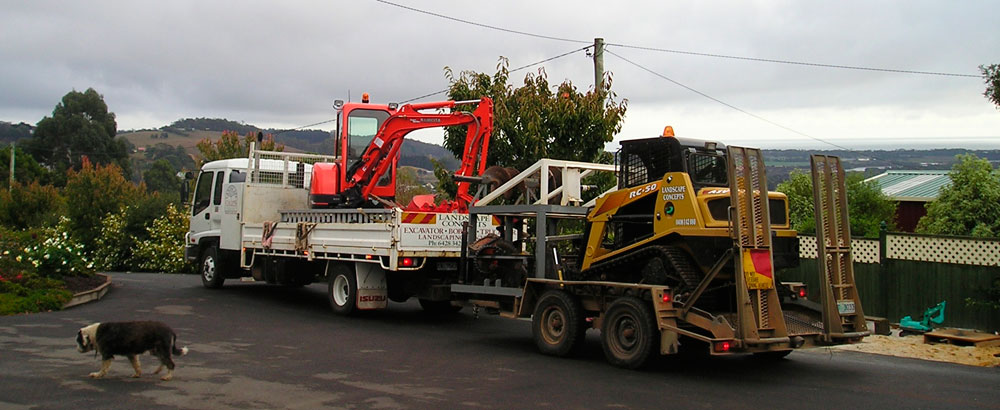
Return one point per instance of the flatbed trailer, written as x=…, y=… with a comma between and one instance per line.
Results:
x=638, y=321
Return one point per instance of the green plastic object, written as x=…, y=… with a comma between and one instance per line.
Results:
x=932, y=316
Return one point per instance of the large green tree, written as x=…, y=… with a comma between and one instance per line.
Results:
x=81, y=127
x=867, y=206
x=991, y=75
x=970, y=205
x=538, y=120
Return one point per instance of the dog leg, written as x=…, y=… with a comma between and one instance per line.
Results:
x=158, y=369
x=104, y=369
x=135, y=365
x=169, y=375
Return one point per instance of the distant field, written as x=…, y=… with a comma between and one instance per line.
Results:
x=189, y=141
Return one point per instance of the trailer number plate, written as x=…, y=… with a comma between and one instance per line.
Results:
x=845, y=307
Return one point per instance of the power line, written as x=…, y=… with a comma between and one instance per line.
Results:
x=509, y=71
x=802, y=63
x=694, y=53
x=473, y=23
x=725, y=103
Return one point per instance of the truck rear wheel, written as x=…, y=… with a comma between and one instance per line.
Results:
x=557, y=324
x=342, y=290
x=211, y=269
x=629, y=333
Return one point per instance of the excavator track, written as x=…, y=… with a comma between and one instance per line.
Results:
x=677, y=263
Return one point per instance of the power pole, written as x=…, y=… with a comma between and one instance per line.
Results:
x=599, y=64
x=12, y=150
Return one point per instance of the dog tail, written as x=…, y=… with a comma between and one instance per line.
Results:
x=179, y=352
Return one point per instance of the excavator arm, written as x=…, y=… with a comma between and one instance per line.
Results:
x=383, y=150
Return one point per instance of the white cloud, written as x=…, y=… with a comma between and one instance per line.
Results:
x=282, y=63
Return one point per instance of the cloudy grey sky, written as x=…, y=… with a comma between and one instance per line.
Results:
x=281, y=64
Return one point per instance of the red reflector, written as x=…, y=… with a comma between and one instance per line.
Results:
x=722, y=347
x=666, y=297
x=407, y=261
x=802, y=292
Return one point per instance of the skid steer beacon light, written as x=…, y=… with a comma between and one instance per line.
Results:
x=668, y=131
x=364, y=98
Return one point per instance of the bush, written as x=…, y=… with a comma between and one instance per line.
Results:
x=28, y=293
x=57, y=255
x=91, y=194
x=21, y=288
x=30, y=206
x=164, y=250
x=123, y=232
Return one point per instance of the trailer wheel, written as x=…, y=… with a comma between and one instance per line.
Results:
x=211, y=268
x=557, y=324
x=343, y=290
x=629, y=333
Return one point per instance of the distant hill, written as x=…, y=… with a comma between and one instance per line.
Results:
x=12, y=132
x=187, y=132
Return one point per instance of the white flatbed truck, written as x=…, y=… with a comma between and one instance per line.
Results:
x=251, y=219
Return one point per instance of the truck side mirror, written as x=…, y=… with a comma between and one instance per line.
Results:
x=184, y=186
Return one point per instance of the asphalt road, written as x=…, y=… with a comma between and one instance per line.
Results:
x=258, y=346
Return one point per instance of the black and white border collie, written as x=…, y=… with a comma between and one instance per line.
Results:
x=130, y=339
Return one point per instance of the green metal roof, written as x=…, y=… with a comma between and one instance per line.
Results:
x=921, y=186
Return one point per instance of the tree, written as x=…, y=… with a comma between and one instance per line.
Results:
x=26, y=169
x=80, y=129
x=970, y=205
x=162, y=177
x=408, y=185
x=991, y=75
x=230, y=145
x=30, y=206
x=93, y=192
x=535, y=121
x=867, y=206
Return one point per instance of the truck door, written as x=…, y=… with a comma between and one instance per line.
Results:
x=232, y=203
x=202, y=207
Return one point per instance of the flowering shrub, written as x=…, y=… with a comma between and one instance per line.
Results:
x=164, y=251
x=21, y=289
x=58, y=254
x=113, y=252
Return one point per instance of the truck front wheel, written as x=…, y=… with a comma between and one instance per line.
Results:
x=343, y=290
x=211, y=269
x=629, y=334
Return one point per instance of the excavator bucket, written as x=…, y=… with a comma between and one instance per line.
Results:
x=759, y=315
x=843, y=317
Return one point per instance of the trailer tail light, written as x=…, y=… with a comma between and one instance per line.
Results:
x=407, y=262
x=722, y=347
x=368, y=257
x=667, y=298
x=802, y=292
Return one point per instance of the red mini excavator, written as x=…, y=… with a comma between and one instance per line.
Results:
x=368, y=139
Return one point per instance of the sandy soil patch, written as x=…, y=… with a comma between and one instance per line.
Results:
x=914, y=347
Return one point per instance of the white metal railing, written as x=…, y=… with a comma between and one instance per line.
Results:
x=283, y=168
x=535, y=188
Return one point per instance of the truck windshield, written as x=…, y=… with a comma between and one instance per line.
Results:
x=362, y=125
